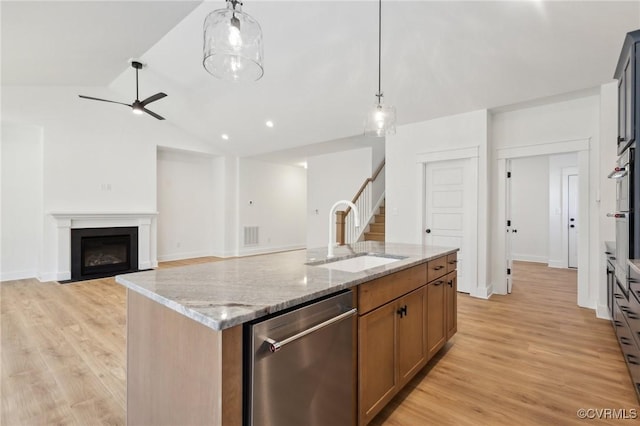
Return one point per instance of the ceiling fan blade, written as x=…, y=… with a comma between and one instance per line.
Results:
x=153, y=114
x=153, y=98
x=103, y=100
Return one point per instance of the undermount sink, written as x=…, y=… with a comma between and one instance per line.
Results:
x=358, y=263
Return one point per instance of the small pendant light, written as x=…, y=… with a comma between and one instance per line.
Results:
x=233, y=44
x=381, y=120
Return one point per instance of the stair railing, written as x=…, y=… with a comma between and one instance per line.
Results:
x=367, y=199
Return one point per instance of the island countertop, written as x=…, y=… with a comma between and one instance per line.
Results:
x=233, y=291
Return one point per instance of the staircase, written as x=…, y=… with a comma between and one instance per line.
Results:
x=376, y=226
x=370, y=195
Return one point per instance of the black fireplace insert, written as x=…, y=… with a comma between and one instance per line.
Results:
x=103, y=252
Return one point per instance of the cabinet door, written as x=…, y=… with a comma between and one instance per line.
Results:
x=377, y=371
x=436, y=333
x=629, y=98
x=622, y=114
x=411, y=333
x=451, y=304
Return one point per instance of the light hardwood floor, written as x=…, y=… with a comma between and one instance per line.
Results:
x=532, y=357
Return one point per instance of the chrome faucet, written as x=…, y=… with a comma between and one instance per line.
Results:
x=332, y=229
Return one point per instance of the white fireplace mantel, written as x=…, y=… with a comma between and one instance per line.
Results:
x=145, y=221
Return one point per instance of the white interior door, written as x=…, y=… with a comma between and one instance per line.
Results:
x=573, y=223
x=447, y=186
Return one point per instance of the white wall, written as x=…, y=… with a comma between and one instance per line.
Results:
x=333, y=177
x=557, y=225
x=606, y=196
x=97, y=157
x=530, y=209
x=21, y=208
x=541, y=126
x=404, y=178
x=188, y=205
x=272, y=197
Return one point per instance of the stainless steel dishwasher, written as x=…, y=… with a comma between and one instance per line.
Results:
x=300, y=367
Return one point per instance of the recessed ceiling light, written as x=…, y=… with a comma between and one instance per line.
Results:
x=269, y=123
x=225, y=136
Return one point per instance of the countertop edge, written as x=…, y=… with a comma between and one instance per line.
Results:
x=243, y=318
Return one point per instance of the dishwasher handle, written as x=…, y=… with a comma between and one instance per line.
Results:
x=275, y=346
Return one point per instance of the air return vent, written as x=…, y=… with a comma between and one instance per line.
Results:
x=250, y=235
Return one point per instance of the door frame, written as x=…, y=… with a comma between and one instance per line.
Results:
x=582, y=147
x=471, y=154
x=566, y=172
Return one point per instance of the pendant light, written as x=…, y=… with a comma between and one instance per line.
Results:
x=232, y=44
x=381, y=120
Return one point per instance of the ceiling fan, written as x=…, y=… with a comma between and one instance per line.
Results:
x=137, y=106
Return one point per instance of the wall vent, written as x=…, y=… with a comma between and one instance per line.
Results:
x=250, y=236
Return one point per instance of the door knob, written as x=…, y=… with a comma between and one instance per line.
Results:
x=428, y=231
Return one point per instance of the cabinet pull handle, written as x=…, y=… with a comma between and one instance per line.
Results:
x=274, y=346
x=453, y=262
x=437, y=268
x=618, y=296
x=402, y=311
x=450, y=283
x=620, y=139
x=632, y=359
x=624, y=340
x=438, y=282
x=617, y=323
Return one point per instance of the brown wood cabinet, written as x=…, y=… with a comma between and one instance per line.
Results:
x=436, y=320
x=411, y=334
x=404, y=319
x=451, y=304
x=392, y=348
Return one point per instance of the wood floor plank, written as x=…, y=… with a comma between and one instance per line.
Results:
x=529, y=358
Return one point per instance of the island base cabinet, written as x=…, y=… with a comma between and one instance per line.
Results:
x=378, y=377
x=392, y=349
x=436, y=316
x=411, y=334
x=451, y=291
x=175, y=373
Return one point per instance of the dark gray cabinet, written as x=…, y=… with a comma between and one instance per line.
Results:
x=628, y=96
x=626, y=322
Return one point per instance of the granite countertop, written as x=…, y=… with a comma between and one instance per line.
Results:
x=231, y=292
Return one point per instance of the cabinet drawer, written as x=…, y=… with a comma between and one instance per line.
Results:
x=452, y=262
x=436, y=268
x=377, y=292
x=631, y=312
x=627, y=343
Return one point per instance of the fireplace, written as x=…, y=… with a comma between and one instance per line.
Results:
x=103, y=252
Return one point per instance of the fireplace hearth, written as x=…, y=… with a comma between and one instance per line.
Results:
x=103, y=252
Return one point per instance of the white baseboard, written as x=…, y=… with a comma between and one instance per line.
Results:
x=529, y=258
x=602, y=311
x=176, y=256
x=556, y=264
x=251, y=251
x=18, y=275
x=483, y=292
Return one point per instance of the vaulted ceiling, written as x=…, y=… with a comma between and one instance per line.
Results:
x=438, y=58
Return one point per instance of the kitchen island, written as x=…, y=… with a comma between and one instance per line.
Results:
x=184, y=325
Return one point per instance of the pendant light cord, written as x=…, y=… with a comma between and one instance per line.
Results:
x=137, y=96
x=379, y=50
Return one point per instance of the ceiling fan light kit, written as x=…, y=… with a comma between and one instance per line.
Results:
x=233, y=44
x=138, y=106
x=381, y=120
